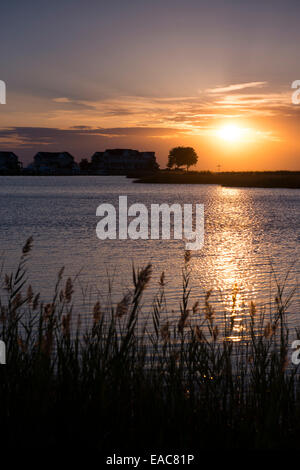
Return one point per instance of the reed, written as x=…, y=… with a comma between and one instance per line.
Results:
x=138, y=380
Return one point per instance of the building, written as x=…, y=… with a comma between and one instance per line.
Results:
x=9, y=163
x=53, y=163
x=122, y=162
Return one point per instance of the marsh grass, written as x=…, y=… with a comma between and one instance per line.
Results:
x=141, y=380
x=254, y=179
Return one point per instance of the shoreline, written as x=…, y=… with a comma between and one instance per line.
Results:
x=247, y=179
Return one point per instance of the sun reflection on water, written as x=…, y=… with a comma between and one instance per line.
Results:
x=229, y=255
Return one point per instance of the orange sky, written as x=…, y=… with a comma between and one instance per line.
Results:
x=151, y=76
x=266, y=121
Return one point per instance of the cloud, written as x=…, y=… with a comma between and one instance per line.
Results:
x=82, y=141
x=31, y=136
x=61, y=100
x=145, y=122
x=68, y=104
x=235, y=87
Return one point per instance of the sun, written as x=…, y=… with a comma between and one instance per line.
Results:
x=231, y=133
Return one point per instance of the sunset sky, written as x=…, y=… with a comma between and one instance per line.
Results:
x=150, y=75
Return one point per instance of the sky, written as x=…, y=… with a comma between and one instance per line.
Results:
x=83, y=76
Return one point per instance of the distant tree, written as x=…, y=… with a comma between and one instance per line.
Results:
x=84, y=165
x=171, y=162
x=182, y=156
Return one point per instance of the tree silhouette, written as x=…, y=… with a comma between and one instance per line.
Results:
x=84, y=165
x=182, y=156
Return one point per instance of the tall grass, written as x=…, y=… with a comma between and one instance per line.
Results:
x=122, y=382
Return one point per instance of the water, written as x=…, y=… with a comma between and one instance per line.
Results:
x=248, y=232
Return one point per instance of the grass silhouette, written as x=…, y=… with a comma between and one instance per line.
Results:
x=126, y=383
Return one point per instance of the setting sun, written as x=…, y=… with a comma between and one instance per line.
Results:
x=231, y=133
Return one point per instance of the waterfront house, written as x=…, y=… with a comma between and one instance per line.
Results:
x=9, y=163
x=53, y=163
x=122, y=161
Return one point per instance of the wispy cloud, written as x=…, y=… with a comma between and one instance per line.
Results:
x=64, y=122
x=236, y=87
x=50, y=135
x=71, y=104
x=62, y=100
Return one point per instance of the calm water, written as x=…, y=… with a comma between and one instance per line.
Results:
x=245, y=231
